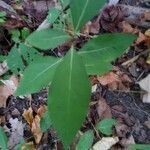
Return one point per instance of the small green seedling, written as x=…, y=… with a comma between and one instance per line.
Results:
x=67, y=77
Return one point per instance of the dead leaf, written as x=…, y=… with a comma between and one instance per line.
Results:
x=126, y=141
x=103, y=109
x=28, y=115
x=128, y=28
x=105, y=143
x=7, y=89
x=34, y=122
x=147, y=32
x=115, y=80
x=36, y=130
x=17, y=132
x=145, y=85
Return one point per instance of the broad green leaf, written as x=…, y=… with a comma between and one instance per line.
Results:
x=53, y=14
x=69, y=97
x=139, y=147
x=20, y=56
x=3, y=139
x=65, y=3
x=2, y=58
x=84, y=10
x=105, y=126
x=45, y=122
x=86, y=141
x=2, y=14
x=99, y=52
x=47, y=38
x=38, y=74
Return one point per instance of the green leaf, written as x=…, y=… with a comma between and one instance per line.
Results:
x=139, y=147
x=84, y=10
x=99, y=52
x=45, y=122
x=25, y=33
x=3, y=139
x=69, y=97
x=53, y=14
x=105, y=126
x=15, y=35
x=65, y=3
x=2, y=58
x=20, y=56
x=38, y=74
x=2, y=14
x=86, y=141
x=19, y=146
x=48, y=38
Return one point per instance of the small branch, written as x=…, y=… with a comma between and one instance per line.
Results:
x=135, y=58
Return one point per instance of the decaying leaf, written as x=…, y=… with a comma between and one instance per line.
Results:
x=34, y=122
x=128, y=28
x=147, y=32
x=8, y=88
x=105, y=143
x=103, y=109
x=115, y=80
x=145, y=85
x=17, y=132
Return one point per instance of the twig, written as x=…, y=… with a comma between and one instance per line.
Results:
x=135, y=58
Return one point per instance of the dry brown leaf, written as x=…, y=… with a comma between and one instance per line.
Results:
x=36, y=130
x=105, y=143
x=115, y=80
x=108, y=78
x=7, y=89
x=128, y=28
x=34, y=122
x=147, y=32
x=28, y=115
x=103, y=109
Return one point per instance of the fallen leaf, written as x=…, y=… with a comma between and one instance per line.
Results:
x=34, y=122
x=126, y=141
x=105, y=143
x=36, y=130
x=145, y=85
x=8, y=88
x=17, y=132
x=147, y=32
x=103, y=109
x=128, y=28
x=115, y=80
x=28, y=115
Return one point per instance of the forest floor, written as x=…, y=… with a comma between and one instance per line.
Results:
x=117, y=94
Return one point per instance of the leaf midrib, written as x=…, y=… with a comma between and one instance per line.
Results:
x=46, y=69
x=54, y=38
x=82, y=14
x=69, y=87
x=92, y=51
